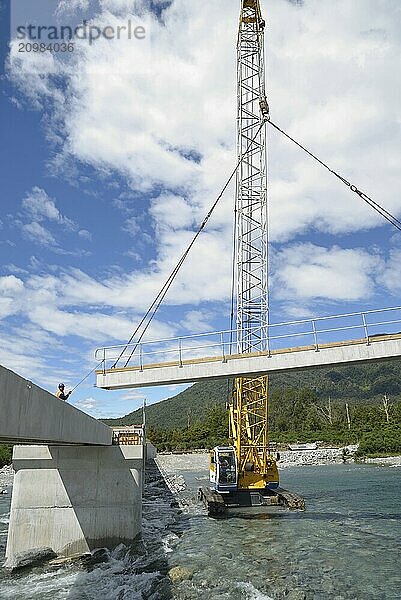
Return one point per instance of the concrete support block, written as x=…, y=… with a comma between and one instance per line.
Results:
x=75, y=498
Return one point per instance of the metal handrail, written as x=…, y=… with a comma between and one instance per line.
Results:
x=223, y=344
x=284, y=323
x=180, y=348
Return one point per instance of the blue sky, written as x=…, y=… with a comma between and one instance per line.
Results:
x=112, y=156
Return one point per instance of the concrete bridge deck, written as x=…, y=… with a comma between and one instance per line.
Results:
x=378, y=347
x=31, y=415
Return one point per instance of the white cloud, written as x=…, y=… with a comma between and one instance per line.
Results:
x=171, y=211
x=10, y=283
x=182, y=105
x=10, y=288
x=39, y=206
x=133, y=395
x=86, y=404
x=38, y=234
x=307, y=271
x=116, y=5
x=132, y=226
x=197, y=321
x=39, y=213
x=15, y=270
x=70, y=7
x=85, y=234
x=29, y=350
x=391, y=275
x=178, y=130
x=44, y=300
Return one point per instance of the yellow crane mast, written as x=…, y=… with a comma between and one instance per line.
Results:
x=257, y=468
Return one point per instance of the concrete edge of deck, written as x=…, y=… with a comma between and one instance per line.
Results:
x=380, y=347
x=32, y=415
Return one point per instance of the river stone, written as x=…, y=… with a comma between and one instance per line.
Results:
x=180, y=574
x=30, y=558
x=295, y=595
x=62, y=560
x=100, y=555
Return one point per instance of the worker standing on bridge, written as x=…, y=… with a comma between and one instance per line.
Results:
x=60, y=392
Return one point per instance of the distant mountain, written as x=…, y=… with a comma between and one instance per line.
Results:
x=188, y=406
x=354, y=383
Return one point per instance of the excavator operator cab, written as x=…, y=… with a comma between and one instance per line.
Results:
x=223, y=469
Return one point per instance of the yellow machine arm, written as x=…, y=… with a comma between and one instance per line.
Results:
x=257, y=469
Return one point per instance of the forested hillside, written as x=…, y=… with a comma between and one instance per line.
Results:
x=355, y=384
x=303, y=406
x=188, y=406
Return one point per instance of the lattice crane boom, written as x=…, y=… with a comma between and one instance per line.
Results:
x=251, y=238
x=249, y=410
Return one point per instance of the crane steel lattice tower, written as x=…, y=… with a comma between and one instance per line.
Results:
x=249, y=409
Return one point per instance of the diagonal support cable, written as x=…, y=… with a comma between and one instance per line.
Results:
x=153, y=308
x=372, y=203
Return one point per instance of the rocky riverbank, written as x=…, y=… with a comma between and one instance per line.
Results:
x=288, y=458
x=320, y=456
x=387, y=461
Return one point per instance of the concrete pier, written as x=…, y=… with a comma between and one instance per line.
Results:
x=75, y=498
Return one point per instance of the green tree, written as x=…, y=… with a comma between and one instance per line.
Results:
x=5, y=455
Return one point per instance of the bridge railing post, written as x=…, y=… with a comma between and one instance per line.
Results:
x=223, y=352
x=315, y=335
x=268, y=342
x=365, y=327
x=180, y=350
x=140, y=357
x=104, y=361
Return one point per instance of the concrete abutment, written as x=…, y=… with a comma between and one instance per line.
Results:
x=75, y=498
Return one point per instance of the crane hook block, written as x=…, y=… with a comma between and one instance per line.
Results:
x=264, y=108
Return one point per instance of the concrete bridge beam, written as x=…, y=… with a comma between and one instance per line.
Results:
x=382, y=347
x=29, y=414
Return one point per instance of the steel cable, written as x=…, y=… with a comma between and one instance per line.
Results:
x=375, y=205
x=153, y=308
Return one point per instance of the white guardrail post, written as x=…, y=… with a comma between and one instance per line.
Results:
x=268, y=342
x=180, y=350
x=365, y=326
x=315, y=335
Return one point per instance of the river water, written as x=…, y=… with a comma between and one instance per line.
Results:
x=345, y=546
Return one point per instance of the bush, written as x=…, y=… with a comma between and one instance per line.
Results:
x=5, y=455
x=386, y=440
